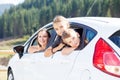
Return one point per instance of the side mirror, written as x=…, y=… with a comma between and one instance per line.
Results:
x=19, y=50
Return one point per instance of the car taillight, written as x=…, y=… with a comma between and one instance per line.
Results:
x=106, y=59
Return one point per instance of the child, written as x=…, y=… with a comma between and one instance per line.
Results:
x=60, y=24
x=72, y=39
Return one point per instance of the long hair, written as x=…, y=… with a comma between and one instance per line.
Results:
x=46, y=32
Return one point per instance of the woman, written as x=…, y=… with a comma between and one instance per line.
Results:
x=42, y=38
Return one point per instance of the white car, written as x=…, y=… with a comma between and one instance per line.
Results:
x=97, y=60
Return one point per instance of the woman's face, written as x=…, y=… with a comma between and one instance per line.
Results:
x=60, y=27
x=43, y=38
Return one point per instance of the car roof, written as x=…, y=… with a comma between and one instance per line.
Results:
x=97, y=23
x=97, y=20
x=105, y=26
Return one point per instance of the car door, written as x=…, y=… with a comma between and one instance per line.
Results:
x=60, y=66
x=55, y=67
x=37, y=67
x=27, y=63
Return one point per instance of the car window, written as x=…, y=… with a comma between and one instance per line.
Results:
x=115, y=38
x=86, y=33
x=51, y=40
x=80, y=28
x=89, y=35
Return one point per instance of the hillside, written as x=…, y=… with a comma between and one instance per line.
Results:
x=3, y=7
x=29, y=16
x=8, y=44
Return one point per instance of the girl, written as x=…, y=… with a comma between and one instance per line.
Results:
x=60, y=24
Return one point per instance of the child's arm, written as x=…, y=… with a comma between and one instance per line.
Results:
x=59, y=47
x=53, y=48
x=50, y=50
x=67, y=50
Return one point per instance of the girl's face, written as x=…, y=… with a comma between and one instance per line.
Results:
x=73, y=41
x=43, y=38
x=60, y=27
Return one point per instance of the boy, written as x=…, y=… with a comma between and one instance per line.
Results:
x=60, y=24
x=72, y=39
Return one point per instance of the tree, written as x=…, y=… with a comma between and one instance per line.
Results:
x=29, y=16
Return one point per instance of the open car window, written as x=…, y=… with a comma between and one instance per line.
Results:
x=51, y=40
x=86, y=33
x=80, y=30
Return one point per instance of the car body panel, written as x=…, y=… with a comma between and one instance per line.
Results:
x=61, y=65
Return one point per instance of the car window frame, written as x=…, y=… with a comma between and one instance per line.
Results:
x=74, y=25
x=33, y=38
x=85, y=28
x=93, y=31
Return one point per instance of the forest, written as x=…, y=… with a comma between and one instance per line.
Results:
x=26, y=18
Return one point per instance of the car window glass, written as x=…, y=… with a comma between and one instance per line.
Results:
x=89, y=35
x=52, y=38
x=35, y=41
x=115, y=38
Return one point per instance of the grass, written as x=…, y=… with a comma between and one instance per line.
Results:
x=3, y=75
x=9, y=44
x=7, y=52
x=5, y=55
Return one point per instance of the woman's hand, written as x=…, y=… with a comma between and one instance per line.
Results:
x=48, y=52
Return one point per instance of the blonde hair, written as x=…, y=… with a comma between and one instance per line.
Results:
x=59, y=18
x=68, y=33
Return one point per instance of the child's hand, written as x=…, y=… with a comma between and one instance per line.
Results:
x=60, y=46
x=48, y=52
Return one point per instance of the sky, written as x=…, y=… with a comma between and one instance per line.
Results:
x=15, y=2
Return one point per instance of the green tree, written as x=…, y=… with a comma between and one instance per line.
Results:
x=29, y=16
x=114, y=8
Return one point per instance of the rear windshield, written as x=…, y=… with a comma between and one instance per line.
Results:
x=115, y=38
